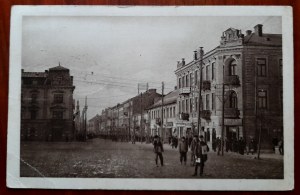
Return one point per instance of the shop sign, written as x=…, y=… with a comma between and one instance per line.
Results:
x=232, y=122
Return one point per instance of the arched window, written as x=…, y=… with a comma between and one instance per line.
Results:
x=233, y=100
x=232, y=68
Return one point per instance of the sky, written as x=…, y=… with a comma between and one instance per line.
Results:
x=109, y=56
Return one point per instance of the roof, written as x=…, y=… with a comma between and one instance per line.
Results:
x=34, y=74
x=170, y=98
x=265, y=39
x=59, y=67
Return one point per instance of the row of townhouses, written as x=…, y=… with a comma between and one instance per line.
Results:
x=238, y=85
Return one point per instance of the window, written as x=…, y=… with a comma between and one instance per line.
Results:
x=57, y=115
x=262, y=99
x=196, y=104
x=191, y=106
x=280, y=68
x=58, y=98
x=187, y=105
x=281, y=99
x=183, y=82
x=186, y=80
x=207, y=72
x=190, y=79
x=207, y=101
x=179, y=83
x=232, y=68
x=173, y=111
x=33, y=114
x=232, y=100
x=213, y=101
x=34, y=98
x=196, y=77
x=213, y=71
x=182, y=106
x=179, y=105
x=261, y=67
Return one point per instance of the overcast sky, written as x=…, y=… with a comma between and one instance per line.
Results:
x=108, y=56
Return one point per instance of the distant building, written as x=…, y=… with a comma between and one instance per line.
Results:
x=47, y=105
x=250, y=66
x=170, y=113
x=93, y=128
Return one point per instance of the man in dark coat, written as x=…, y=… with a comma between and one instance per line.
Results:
x=183, y=148
x=193, y=146
x=200, y=151
x=158, y=149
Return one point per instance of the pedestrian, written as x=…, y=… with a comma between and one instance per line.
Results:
x=218, y=145
x=242, y=146
x=193, y=146
x=280, y=145
x=158, y=150
x=200, y=151
x=251, y=146
x=183, y=148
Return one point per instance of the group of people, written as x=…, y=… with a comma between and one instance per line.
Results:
x=234, y=145
x=198, y=147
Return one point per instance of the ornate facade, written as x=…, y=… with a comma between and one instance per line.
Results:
x=47, y=105
x=250, y=68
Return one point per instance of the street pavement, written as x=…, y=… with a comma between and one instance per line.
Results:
x=106, y=159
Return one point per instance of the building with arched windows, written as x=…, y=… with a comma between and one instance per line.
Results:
x=249, y=69
x=47, y=105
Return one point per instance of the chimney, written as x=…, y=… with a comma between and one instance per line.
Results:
x=195, y=55
x=248, y=32
x=183, y=62
x=258, y=29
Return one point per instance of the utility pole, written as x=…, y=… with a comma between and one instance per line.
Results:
x=141, y=121
x=129, y=122
x=162, y=111
x=200, y=90
x=84, y=117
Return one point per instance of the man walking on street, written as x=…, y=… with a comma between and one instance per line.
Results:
x=183, y=148
x=158, y=149
x=201, y=150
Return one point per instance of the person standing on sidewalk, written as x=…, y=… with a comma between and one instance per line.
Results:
x=193, y=146
x=201, y=150
x=158, y=150
x=183, y=148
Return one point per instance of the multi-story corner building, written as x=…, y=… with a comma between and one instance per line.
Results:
x=250, y=69
x=166, y=128
x=47, y=105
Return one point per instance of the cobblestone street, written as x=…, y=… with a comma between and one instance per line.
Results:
x=107, y=159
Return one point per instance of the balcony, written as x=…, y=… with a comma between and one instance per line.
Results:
x=184, y=116
x=232, y=80
x=231, y=113
x=185, y=91
x=206, y=85
x=205, y=114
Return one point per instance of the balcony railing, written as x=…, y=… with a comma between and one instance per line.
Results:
x=206, y=85
x=232, y=80
x=205, y=114
x=231, y=113
x=185, y=90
